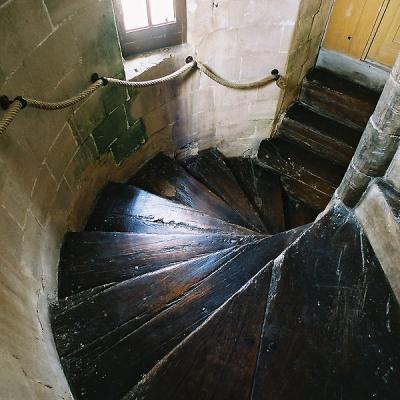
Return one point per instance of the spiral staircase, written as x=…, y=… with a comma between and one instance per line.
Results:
x=207, y=278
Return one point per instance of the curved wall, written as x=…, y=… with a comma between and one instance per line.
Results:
x=55, y=162
x=52, y=163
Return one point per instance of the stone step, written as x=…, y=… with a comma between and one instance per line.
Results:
x=344, y=101
x=321, y=135
x=209, y=167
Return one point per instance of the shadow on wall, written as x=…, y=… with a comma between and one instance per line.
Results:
x=55, y=162
x=50, y=163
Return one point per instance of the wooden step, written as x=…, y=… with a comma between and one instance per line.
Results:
x=298, y=213
x=91, y=259
x=218, y=360
x=308, y=177
x=332, y=323
x=166, y=178
x=339, y=99
x=125, y=208
x=264, y=190
x=321, y=135
x=112, y=364
x=209, y=167
x=132, y=302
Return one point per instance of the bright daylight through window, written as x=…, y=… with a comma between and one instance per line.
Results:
x=149, y=24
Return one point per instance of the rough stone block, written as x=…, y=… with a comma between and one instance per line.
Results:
x=61, y=152
x=378, y=214
x=83, y=158
x=387, y=113
x=47, y=65
x=10, y=237
x=99, y=46
x=157, y=119
x=87, y=116
x=43, y=194
x=113, y=96
x=375, y=151
x=14, y=194
x=59, y=11
x=129, y=141
x=13, y=19
x=352, y=186
x=396, y=70
x=262, y=109
x=393, y=172
x=111, y=128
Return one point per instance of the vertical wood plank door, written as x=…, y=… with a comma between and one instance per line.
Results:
x=351, y=25
x=385, y=46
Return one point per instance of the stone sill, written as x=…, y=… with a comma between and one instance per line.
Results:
x=138, y=64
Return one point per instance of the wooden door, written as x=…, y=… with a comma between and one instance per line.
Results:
x=385, y=46
x=365, y=29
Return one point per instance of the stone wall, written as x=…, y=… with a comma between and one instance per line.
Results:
x=241, y=41
x=52, y=163
x=304, y=48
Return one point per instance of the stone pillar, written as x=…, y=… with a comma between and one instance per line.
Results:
x=377, y=145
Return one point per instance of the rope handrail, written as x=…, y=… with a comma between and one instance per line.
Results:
x=13, y=107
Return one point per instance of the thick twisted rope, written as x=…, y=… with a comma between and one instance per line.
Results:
x=44, y=105
x=10, y=115
x=12, y=108
x=237, y=85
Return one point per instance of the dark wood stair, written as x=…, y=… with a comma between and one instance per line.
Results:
x=164, y=177
x=210, y=168
x=306, y=336
x=337, y=98
x=213, y=278
x=321, y=135
x=317, y=137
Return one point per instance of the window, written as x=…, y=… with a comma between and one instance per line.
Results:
x=150, y=24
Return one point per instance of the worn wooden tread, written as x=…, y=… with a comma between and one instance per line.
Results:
x=337, y=83
x=332, y=322
x=339, y=99
x=113, y=363
x=209, y=167
x=319, y=134
x=123, y=208
x=263, y=188
x=311, y=178
x=91, y=259
x=131, y=302
x=163, y=176
x=217, y=361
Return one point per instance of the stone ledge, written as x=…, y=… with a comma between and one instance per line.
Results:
x=138, y=64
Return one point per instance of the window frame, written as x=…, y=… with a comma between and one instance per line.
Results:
x=152, y=37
